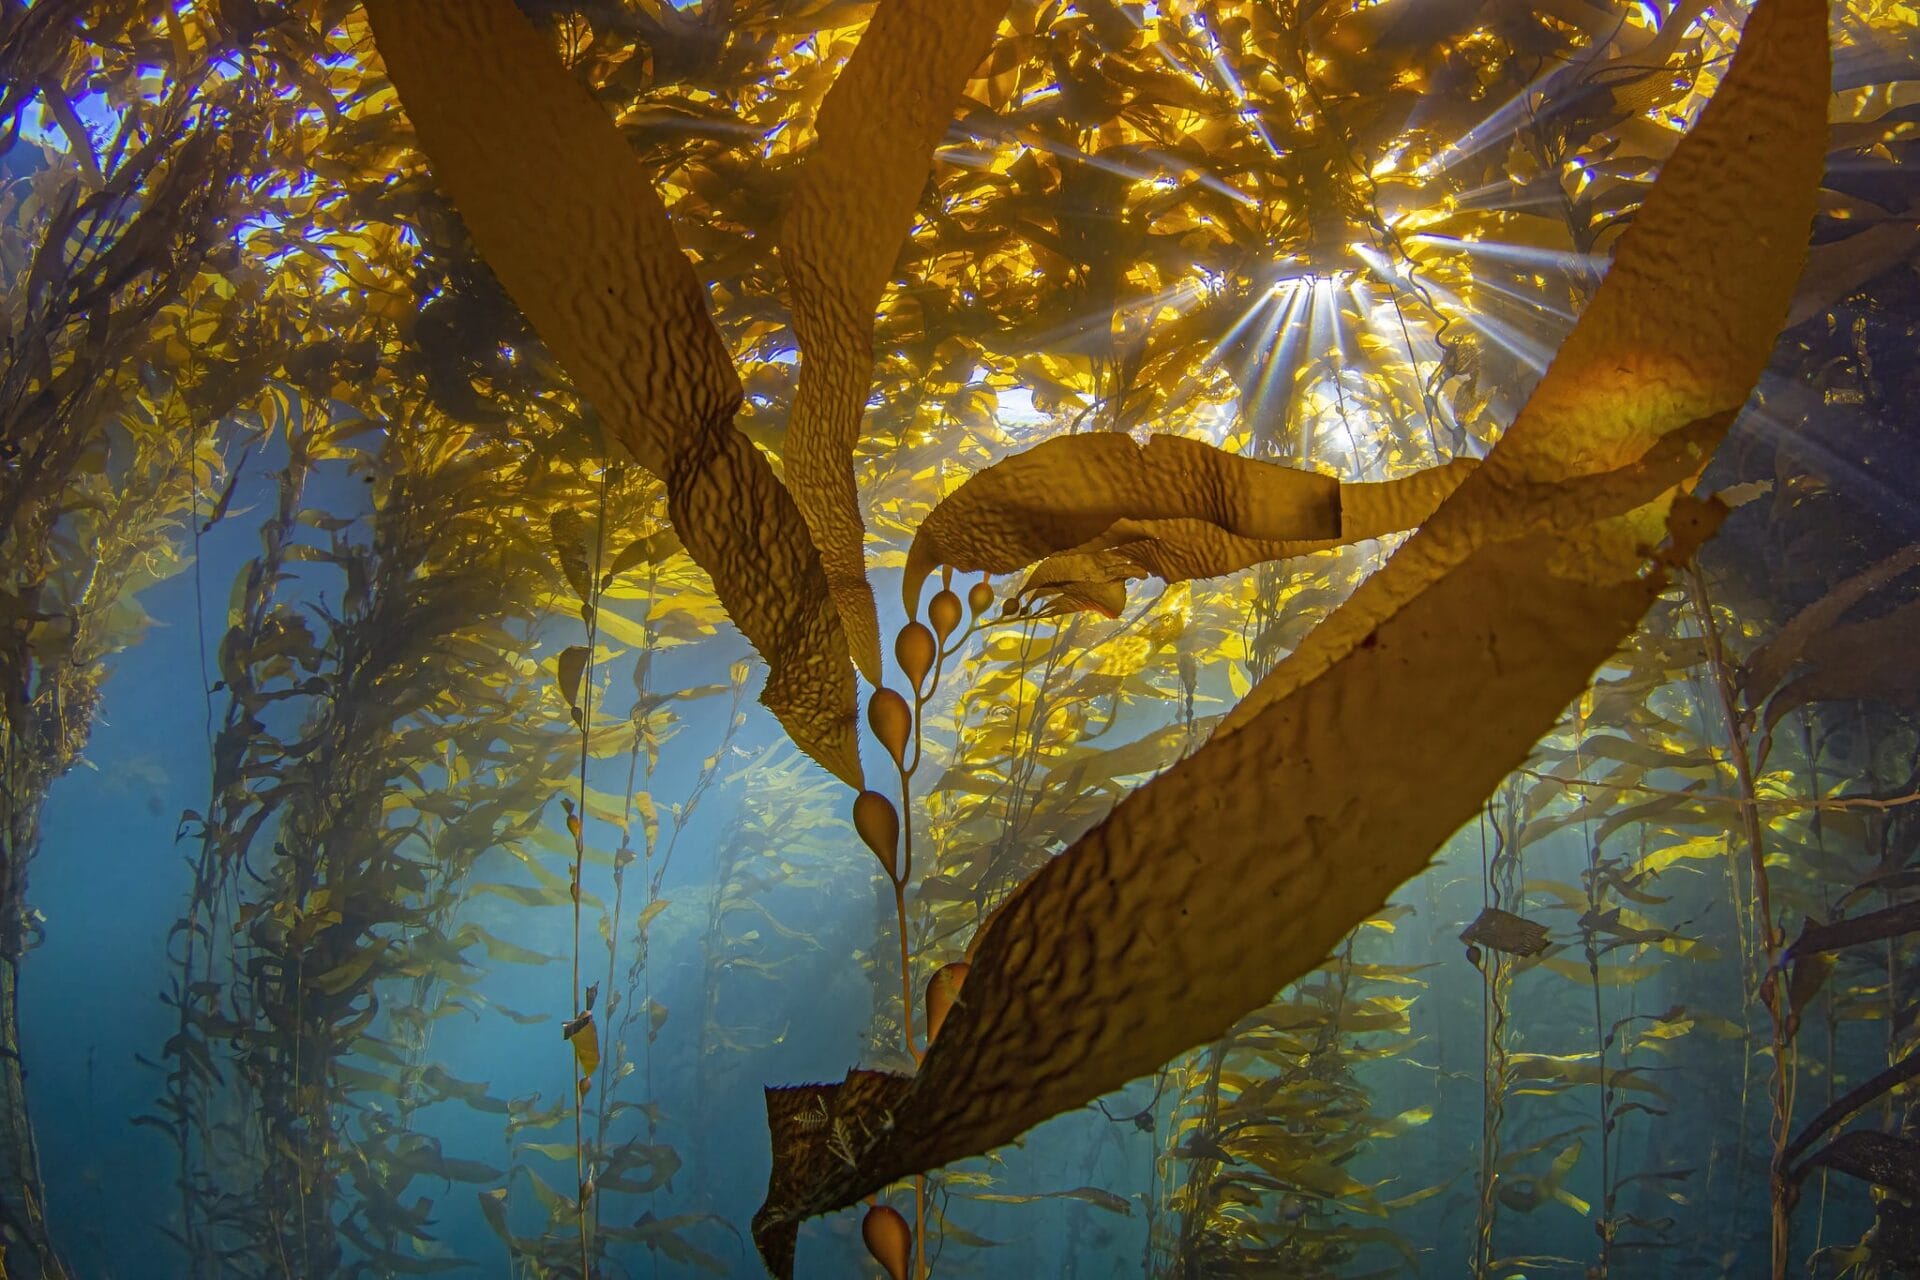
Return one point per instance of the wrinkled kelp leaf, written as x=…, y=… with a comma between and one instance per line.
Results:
x=1235, y=871
x=1231, y=874
x=1098, y=509
x=573, y=228
x=849, y=213
x=1872, y=926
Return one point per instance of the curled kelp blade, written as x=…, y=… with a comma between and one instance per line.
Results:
x=572, y=226
x=1092, y=575
x=1678, y=331
x=849, y=213
x=1231, y=874
x=1172, y=508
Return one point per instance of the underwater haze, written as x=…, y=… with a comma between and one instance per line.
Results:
x=942, y=638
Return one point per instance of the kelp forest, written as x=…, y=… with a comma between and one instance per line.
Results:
x=937, y=638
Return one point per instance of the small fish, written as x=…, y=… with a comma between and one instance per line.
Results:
x=1503, y=931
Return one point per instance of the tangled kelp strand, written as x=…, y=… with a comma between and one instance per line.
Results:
x=848, y=214
x=564, y=215
x=1435, y=686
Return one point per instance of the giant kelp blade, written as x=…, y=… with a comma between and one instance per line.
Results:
x=1677, y=333
x=1234, y=872
x=1172, y=508
x=1237, y=870
x=573, y=228
x=849, y=214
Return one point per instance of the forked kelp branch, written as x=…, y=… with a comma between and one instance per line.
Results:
x=922, y=653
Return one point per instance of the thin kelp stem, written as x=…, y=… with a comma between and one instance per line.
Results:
x=1590, y=944
x=1773, y=993
x=591, y=605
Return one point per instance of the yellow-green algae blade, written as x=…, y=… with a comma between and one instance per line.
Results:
x=1234, y=872
x=572, y=226
x=850, y=211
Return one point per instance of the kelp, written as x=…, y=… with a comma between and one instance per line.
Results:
x=1040, y=1024
x=1099, y=509
x=110, y=265
x=1499, y=596
x=577, y=219
x=1270, y=1124
x=1724, y=228
x=846, y=217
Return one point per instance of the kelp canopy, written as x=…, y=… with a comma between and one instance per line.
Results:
x=1342, y=407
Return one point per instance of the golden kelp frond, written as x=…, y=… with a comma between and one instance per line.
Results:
x=1317, y=811
x=850, y=212
x=1677, y=333
x=576, y=232
x=1098, y=509
x=1437, y=685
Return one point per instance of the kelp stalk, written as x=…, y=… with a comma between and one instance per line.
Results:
x=1773, y=985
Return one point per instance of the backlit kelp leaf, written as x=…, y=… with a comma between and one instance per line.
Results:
x=1678, y=331
x=849, y=214
x=584, y=1036
x=1237, y=869
x=573, y=228
x=1231, y=874
x=1099, y=509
